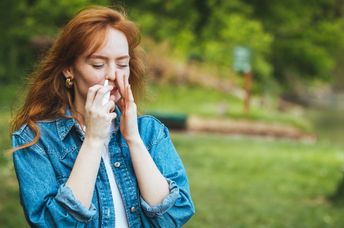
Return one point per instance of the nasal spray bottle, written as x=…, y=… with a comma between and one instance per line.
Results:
x=106, y=97
x=105, y=100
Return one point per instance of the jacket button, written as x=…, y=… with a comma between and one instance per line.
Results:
x=133, y=209
x=117, y=164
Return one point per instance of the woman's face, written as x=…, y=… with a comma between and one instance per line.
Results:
x=109, y=60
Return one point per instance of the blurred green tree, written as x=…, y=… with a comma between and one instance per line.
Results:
x=302, y=39
x=205, y=30
x=308, y=36
x=28, y=27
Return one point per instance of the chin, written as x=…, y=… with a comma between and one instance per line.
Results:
x=115, y=95
x=117, y=98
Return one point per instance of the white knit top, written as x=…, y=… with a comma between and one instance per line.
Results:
x=120, y=217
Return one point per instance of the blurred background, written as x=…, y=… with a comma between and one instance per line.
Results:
x=252, y=90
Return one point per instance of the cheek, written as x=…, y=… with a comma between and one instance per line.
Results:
x=85, y=79
x=94, y=80
x=89, y=78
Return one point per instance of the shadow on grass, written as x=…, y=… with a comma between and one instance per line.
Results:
x=337, y=197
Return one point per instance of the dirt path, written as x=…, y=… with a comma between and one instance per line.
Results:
x=247, y=127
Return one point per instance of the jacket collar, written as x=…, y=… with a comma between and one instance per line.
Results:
x=67, y=122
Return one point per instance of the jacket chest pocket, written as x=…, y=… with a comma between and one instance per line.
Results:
x=67, y=158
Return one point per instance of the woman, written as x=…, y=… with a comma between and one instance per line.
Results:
x=82, y=157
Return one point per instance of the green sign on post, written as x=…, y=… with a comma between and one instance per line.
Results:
x=242, y=64
x=242, y=59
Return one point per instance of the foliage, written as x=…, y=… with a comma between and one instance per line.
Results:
x=302, y=39
x=28, y=28
x=207, y=31
x=294, y=39
x=308, y=36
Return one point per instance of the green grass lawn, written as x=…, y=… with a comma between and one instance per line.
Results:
x=11, y=214
x=247, y=182
x=242, y=182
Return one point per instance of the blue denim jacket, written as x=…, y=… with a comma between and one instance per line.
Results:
x=43, y=169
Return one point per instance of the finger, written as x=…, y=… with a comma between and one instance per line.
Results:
x=121, y=105
x=125, y=85
x=124, y=106
x=113, y=108
x=126, y=94
x=113, y=115
x=119, y=84
x=116, y=82
x=112, y=97
x=127, y=80
x=127, y=98
x=91, y=93
x=130, y=94
x=110, y=106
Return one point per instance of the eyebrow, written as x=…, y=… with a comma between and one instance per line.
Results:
x=104, y=57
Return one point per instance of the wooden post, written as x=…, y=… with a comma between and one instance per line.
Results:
x=248, y=85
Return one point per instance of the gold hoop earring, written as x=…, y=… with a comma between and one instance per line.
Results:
x=69, y=83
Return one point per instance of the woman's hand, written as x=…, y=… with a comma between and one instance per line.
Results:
x=128, y=121
x=98, y=117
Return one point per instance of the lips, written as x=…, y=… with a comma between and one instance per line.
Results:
x=114, y=91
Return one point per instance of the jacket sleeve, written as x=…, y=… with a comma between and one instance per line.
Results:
x=45, y=203
x=177, y=208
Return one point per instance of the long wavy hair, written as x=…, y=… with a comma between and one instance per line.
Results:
x=48, y=96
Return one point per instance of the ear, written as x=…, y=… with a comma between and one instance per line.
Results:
x=68, y=72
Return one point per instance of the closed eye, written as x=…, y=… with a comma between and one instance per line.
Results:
x=123, y=65
x=98, y=66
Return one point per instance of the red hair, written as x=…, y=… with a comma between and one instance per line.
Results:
x=48, y=96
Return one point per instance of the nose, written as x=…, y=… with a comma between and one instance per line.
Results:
x=111, y=73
